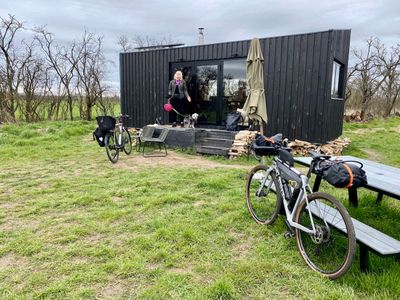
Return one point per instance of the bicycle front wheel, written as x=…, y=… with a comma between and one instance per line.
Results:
x=263, y=202
x=330, y=250
x=127, y=141
x=111, y=147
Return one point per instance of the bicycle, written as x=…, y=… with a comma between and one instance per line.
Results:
x=116, y=136
x=322, y=226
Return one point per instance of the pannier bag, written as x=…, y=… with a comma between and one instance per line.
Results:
x=232, y=120
x=342, y=174
x=99, y=136
x=106, y=123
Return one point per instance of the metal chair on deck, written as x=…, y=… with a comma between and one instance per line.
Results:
x=147, y=137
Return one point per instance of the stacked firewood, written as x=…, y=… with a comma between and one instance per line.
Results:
x=353, y=117
x=239, y=146
x=334, y=147
x=303, y=148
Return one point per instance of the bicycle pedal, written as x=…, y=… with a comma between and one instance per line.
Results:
x=288, y=235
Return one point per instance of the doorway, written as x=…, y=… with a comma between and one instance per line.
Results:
x=203, y=80
x=216, y=87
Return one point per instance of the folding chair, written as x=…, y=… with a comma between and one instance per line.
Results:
x=147, y=137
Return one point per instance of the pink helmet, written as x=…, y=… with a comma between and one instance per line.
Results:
x=167, y=107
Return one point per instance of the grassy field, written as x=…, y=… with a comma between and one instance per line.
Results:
x=72, y=225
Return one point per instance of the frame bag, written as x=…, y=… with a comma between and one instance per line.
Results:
x=342, y=174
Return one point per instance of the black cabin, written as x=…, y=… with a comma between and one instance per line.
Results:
x=304, y=82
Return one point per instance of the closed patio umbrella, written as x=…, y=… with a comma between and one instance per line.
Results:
x=255, y=105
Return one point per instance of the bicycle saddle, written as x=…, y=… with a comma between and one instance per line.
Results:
x=318, y=156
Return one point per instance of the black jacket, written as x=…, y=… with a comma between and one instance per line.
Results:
x=182, y=89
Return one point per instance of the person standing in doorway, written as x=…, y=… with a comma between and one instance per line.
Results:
x=178, y=94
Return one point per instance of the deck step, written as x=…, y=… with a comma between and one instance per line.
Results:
x=221, y=134
x=212, y=150
x=215, y=142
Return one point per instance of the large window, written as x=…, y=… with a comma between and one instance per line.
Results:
x=337, y=80
x=235, y=84
x=207, y=92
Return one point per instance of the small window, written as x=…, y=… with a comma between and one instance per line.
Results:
x=337, y=80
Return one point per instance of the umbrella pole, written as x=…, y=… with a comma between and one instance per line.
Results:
x=262, y=127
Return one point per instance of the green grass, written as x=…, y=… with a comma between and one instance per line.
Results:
x=72, y=225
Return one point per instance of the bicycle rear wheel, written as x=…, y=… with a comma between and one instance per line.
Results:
x=111, y=148
x=331, y=249
x=263, y=203
x=127, y=141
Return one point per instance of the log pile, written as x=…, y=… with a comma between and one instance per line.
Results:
x=239, y=146
x=353, y=117
x=334, y=147
x=302, y=148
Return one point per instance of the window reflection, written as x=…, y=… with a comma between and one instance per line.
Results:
x=207, y=93
x=235, y=84
x=337, y=80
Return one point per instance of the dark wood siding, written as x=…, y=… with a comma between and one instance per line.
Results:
x=297, y=77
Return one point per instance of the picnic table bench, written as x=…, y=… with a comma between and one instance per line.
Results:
x=382, y=179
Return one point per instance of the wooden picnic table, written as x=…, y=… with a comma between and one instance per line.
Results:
x=383, y=179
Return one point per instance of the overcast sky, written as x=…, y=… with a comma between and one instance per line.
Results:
x=223, y=20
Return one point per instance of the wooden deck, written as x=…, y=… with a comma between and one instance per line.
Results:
x=204, y=140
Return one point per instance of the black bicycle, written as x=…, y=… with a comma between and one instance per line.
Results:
x=322, y=226
x=116, y=136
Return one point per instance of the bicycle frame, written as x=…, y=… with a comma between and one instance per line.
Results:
x=120, y=127
x=301, y=197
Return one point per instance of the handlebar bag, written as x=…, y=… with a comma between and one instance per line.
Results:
x=342, y=174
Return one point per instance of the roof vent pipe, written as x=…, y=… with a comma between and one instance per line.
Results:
x=201, y=36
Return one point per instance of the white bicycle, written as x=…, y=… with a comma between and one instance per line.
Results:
x=321, y=224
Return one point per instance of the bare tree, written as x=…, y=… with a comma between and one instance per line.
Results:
x=8, y=51
x=123, y=42
x=389, y=63
x=90, y=70
x=371, y=75
x=63, y=62
x=127, y=45
x=34, y=77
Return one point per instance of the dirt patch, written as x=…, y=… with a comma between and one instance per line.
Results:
x=14, y=223
x=243, y=244
x=173, y=159
x=8, y=206
x=10, y=261
x=198, y=203
x=187, y=270
x=113, y=290
x=93, y=238
x=373, y=155
x=367, y=130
